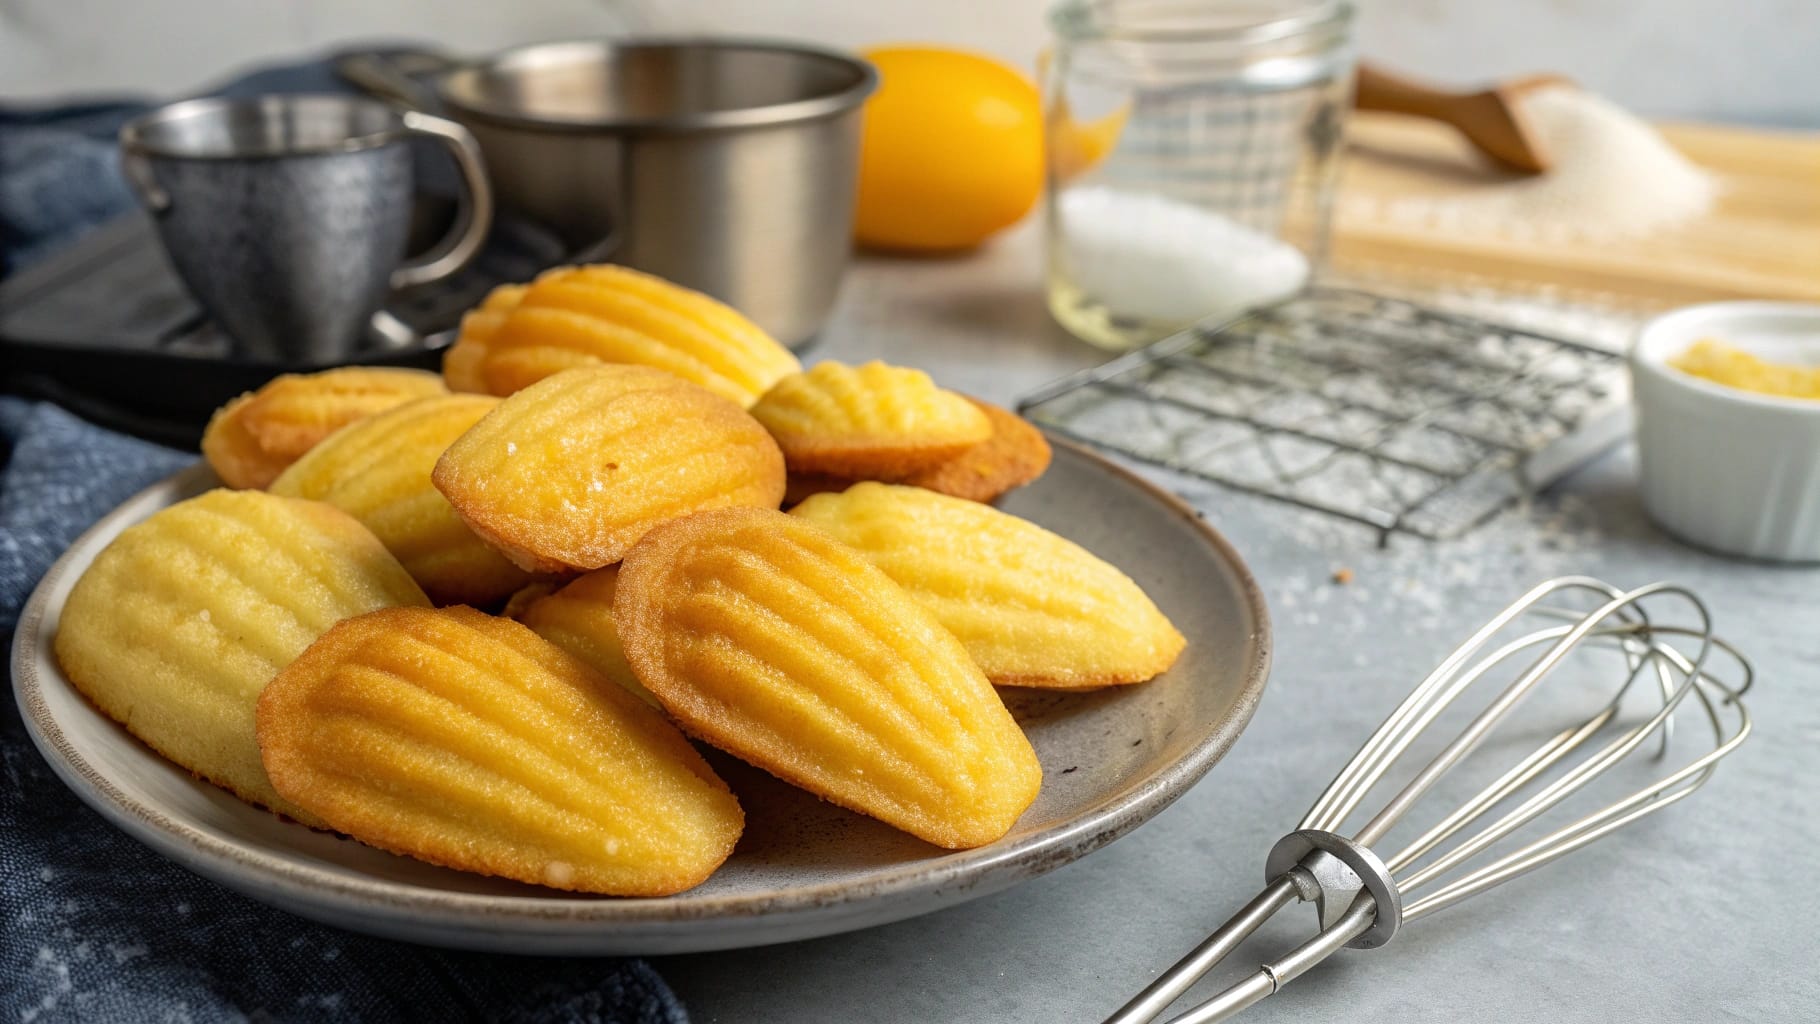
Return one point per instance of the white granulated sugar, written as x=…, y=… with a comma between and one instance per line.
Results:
x=1150, y=256
x=1612, y=175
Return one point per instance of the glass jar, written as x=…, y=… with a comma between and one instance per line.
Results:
x=1192, y=152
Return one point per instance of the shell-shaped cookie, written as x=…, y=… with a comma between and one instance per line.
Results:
x=182, y=619
x=870, y=422
x=764, y=636
x=576, y=316
x=579, y=619
x=461, y=364
x=250, y=440
x=1013, y=456
x=378, y=471
x=570, y=472
x=1032, y=608
x=468, y=741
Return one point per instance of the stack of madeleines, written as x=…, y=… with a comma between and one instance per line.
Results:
x=602, y=463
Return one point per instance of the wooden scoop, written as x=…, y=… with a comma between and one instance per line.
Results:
x=1491, y=120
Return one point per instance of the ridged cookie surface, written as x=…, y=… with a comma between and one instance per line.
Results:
x=1013, y=456
x=462, y=364
x=250, y=440
x=764, y=636
x=578, y=618
x=571, y=471
x=182, y=619
x=469, y=741
x=378, y=471
x=870, y=422
x=1032, y=608
x=576, y=316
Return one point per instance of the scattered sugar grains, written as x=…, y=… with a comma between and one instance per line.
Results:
x=1613, y=176
x=1151, y=256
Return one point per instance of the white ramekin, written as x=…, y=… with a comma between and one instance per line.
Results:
x=1730, y=470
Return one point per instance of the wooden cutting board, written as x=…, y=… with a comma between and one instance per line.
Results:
x=1762, y=239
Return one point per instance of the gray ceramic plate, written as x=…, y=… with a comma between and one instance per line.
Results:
x=1111, y=760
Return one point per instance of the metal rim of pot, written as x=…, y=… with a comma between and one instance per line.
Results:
x=448, y=81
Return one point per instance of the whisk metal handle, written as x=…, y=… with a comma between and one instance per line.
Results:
x=1359, y=904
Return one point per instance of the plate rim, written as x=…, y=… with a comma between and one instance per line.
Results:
x=952, y=876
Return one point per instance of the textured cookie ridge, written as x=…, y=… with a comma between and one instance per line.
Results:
x=181, y=620
x=1032, y=608
x=252, y=438
x=569, y=473
x=462, y=364
x=468, y=741
x=874, y=421
x=764, y=636
x=378, y=470
x=577, y=316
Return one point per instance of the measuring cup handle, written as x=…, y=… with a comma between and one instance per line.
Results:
x=138, y=173
x=471, y=221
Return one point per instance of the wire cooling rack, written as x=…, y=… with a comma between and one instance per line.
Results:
x=1377, y=410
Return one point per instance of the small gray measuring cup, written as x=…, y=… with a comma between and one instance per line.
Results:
x=288, y=216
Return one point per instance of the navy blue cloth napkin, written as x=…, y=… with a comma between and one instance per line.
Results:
x=94, y=926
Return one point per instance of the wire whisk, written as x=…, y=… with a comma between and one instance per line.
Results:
x=1362, y=899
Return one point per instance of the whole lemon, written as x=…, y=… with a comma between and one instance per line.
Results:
x=952, y=150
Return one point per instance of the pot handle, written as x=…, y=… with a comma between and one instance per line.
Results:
x=473, y=219
x=395, y=75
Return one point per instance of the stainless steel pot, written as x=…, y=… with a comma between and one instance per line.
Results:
x=726, y=166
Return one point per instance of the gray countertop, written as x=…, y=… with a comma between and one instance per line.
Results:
x=1702, y=913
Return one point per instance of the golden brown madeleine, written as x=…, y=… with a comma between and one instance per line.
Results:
x=469, y=741
x=571, y=471
x=378, y=471
x=1013, y=456
x=579, y=619
x=764, y=636
x=576, y=316
x=1032, y=608
x=871, y=422
x=461, y=364
x=251, y=439
x=176, y=626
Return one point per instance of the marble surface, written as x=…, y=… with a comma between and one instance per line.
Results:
x=1702, y=913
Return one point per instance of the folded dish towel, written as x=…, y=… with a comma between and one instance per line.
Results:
x=94, y=926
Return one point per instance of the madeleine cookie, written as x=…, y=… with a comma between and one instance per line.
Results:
x=469, y=741
x=251, y=439
x=378, y=471
x=872, y=422
x=462, y=363
x=764, y=636
x=1013, y=456
x=578, y=618
x=570, y=472
x=579, y=316
x=1032, y=608
x=179, y=622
